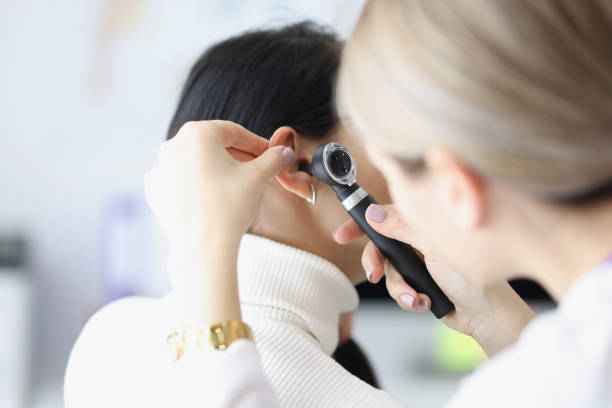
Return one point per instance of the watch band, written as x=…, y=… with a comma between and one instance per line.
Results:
x=218, y=336
x=221, y=335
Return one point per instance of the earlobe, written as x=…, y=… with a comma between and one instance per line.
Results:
x=292, y=179
x=296, y=182
x=463, y=190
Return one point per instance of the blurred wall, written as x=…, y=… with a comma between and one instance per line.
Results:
x=87, y=89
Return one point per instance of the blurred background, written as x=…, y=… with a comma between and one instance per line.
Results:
x=86, y=92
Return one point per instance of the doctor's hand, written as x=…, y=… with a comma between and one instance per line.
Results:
x=204, y=191
x=209, y=178
x=493, y=315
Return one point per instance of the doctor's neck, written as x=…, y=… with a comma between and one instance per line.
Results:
x=561, y=242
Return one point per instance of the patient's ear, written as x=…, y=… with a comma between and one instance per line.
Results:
x=292, y=179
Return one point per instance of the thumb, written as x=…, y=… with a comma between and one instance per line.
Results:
x=388, y=222
x=271, y=162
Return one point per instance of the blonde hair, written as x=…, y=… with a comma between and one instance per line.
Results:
x=521, y=90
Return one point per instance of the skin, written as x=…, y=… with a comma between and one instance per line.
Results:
x=251, y=192
x=474, y=233
x=285, y=216
x=489, y=232
x=202, y=271
x=514, y=234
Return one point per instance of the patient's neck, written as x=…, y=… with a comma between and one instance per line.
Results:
x=293, y=221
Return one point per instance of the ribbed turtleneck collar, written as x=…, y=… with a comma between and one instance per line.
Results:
x=294, y=283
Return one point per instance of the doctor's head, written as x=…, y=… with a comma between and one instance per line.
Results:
x=490, y=120
x=279, y=84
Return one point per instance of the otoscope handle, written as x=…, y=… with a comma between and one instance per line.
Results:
x=404, y=260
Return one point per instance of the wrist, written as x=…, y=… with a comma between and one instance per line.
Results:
x=502, y=319
x=218, y=305
x=204, y=241
x=204, y=276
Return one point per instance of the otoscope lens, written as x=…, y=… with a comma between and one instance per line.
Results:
x=340, y=163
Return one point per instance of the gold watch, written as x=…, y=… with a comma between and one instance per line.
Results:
x=218, y=336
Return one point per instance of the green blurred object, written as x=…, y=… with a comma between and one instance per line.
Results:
x=455, y=352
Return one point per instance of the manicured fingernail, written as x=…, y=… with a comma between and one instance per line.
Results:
x=287, y=154
x=407, y=300
x=376, y=213
x=368, y=271
x=422, y=305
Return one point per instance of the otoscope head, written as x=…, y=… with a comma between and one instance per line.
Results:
x=333, y=164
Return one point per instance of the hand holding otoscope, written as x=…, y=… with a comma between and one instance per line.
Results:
x=333, y=165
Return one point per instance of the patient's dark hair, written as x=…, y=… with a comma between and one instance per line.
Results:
x=266, y=79
x=350, y=356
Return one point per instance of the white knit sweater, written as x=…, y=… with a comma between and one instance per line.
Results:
x=291, y=299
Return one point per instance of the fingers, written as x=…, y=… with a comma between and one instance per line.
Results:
x=373, y=262
x=228, y=134
x=270, y=163
x=405, y=296
x=239, y=138
x=240, y=155
x=386, y=220
x=376, y=265
x=347, y=232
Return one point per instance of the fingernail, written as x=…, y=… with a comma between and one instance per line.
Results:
x=407, y=300
x=287, y=154
x=376, y=213
x=422, y=305
x=334, y=237
x=368, y=271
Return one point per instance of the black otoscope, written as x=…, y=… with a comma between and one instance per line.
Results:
x=333, y=164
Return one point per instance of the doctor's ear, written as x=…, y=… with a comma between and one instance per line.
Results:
x=460, y=189
x=292, y=178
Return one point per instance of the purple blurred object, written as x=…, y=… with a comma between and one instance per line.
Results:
x=126, y=248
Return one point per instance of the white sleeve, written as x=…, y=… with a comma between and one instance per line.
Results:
x=121, y=360
x=232, y=378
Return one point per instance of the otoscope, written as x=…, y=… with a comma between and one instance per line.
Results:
x=333, y=164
